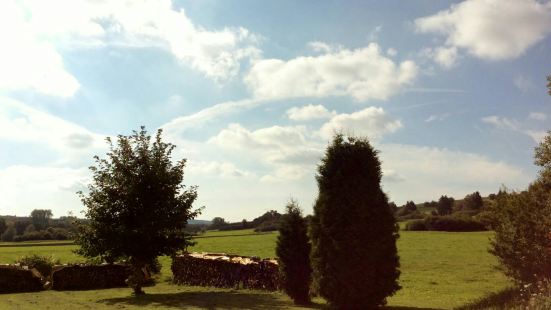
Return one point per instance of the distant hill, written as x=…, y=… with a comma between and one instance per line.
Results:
x=199, y=222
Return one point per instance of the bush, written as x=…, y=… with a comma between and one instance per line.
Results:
x=43, y=264
x=16, y=279
x=522, y=241
x=416, y=225
x=268, y=226
x=9, y=234
x=415, y=215
x=293, y=250
x=353, y=230
x=453, y=224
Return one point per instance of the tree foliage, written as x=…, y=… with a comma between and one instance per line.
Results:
x=445, y=205
x=293, y=250
x=41, y=218
x=523, y=225
x=3, y=225
x=473, y=201
x=137, y=207
x=354, y=233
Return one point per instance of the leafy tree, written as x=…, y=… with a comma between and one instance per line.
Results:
x=217, y=223
x=9, y=234
x=549, y=84
x=410, y=206
x=20, y=226
x=393, y=207
x=473, y=201
x=137, y=206
x=522, y=225
x=445, y=205
x=354, y=256
x=41, y=218
x=293, y=250
x=3, y=225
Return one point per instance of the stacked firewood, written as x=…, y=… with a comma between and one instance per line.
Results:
x=222, y=270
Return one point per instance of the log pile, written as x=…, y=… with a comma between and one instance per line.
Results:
x=16, y=279
x=82, y=277
x=222, y=270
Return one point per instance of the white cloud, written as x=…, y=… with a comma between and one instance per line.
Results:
x=371, y=122
x=446, y=56
x=24, y=188
x=437, y=117
x=514, y=125
x=538, y=116
x=523, y=83
x=285, y=150
x=23, y=124
x=215, y=169
x=27, y=61
x=320, y=47
x=135, y=23
x=428, y=172
x=491, y=29
x=391, y=52
x=363, y=74
x=309, y=112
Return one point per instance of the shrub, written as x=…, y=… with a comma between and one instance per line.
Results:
x=43, y=264
x=293, y=250
x=353, y=230
x=9, y=234
x=268, y=226
x=453, y=223
x=415, y=215
x=522, y=241
x=416, y=225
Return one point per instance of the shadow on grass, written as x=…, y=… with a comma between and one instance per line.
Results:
x=209, y=300
x=503, y=299
x=247, y=300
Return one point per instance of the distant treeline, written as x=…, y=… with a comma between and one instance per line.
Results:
x=39, y=225
x=472, y=213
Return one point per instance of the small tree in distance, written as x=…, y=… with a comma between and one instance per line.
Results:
x=354, y=233
x=137, y=206
x=445, y=205
x=293, y=250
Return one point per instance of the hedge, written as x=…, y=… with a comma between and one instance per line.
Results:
x=446, y=223
x=15, y=279
x=222, y=270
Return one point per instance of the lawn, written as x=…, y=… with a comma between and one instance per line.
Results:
x=439, y=271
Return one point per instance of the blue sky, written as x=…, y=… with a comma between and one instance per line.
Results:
x=452, y=93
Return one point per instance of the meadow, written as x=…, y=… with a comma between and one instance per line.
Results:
x=439, y=271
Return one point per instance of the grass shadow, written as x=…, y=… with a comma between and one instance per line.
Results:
x=500, y=300
x=209, y=300
x=409, y=308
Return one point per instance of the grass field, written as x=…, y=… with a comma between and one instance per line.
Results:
x=439, y=271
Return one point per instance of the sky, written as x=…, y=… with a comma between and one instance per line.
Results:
x=451, y=93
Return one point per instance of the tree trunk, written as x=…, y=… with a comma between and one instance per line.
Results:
x=136, y=279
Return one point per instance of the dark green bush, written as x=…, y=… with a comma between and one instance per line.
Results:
x=415, y=215
x=416, y=225
x=453, y=223
x=293, y=250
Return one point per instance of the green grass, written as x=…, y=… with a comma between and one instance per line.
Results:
x=439, y=271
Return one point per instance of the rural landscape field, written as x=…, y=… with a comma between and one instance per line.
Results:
x=439, y=271
x=245, y=154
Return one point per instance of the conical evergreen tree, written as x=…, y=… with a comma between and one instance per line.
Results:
x=354, y=233
x=293, y=250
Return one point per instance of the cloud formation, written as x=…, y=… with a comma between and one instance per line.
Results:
x=309, y=112
x=370, y=122
x=491, y=29
x=362, y=74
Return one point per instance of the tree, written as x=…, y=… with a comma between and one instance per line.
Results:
x=549, y=84
x=522, y=225
x=354, y=256
x=473, y=201
x=3, y=225
x=137, y=206
x=41, y=218
x=9, y=234
x=217, y=223
x=445, y=205
x=293, y=250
